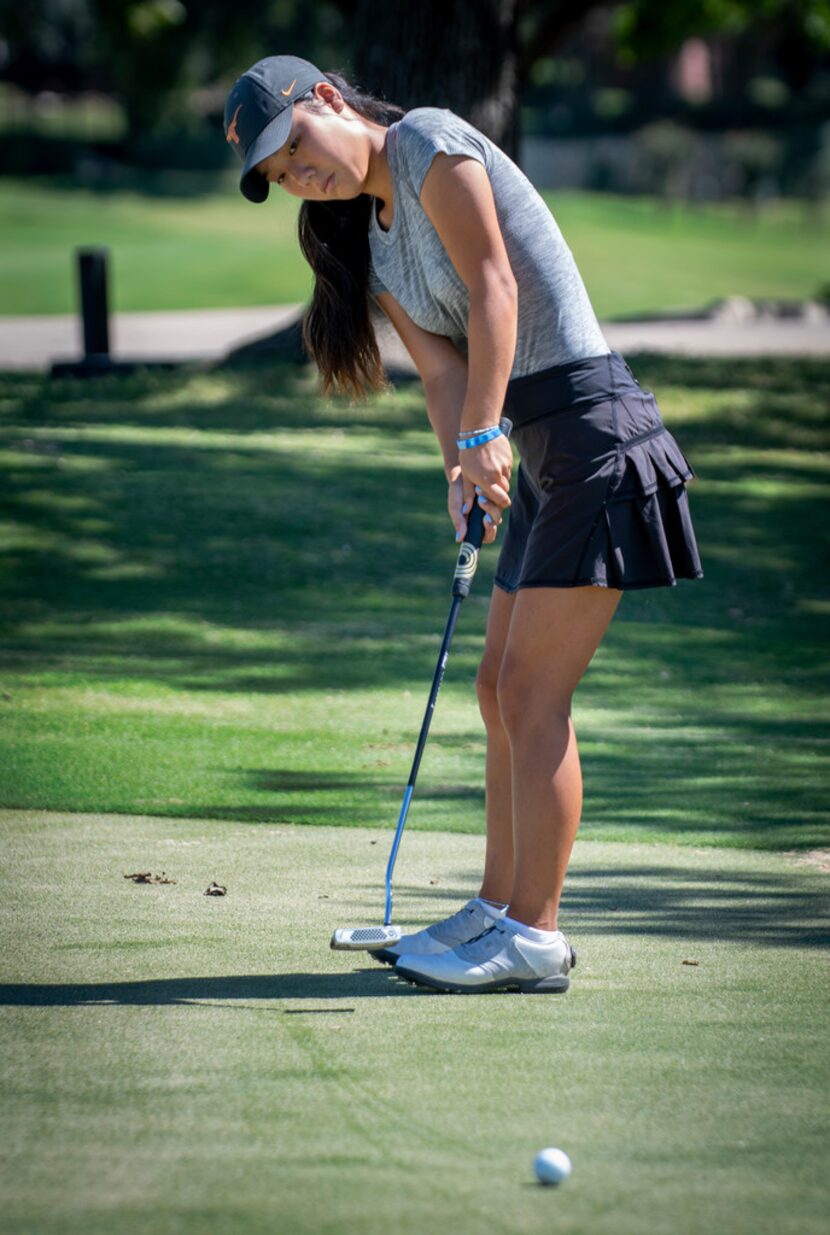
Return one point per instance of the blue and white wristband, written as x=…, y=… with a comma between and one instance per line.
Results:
x=466, y=441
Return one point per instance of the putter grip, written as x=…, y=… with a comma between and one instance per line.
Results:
x=465, y=567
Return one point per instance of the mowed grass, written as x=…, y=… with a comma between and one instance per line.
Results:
x=193, y=242
x=174, y=1063
x=224, y=599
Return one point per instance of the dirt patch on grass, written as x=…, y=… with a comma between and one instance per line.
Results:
x=818, y=858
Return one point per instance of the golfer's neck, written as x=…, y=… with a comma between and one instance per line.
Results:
x=378, y=182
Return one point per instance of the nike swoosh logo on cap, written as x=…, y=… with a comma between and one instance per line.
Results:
x=232, y=135
x=290, y=88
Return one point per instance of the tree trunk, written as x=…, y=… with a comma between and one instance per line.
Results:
x=459, y=54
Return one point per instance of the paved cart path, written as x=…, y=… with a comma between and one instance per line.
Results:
x=33, y=343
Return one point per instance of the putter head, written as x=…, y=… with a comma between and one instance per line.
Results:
x=365, y=938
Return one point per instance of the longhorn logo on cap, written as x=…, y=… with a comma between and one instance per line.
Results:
x=232, y=135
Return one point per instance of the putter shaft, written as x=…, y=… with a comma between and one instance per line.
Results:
x=419, y=750
x=462, y=581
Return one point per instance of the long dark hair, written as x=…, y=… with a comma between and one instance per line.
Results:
x=334, y=238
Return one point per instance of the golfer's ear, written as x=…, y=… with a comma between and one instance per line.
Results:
x=327, y=93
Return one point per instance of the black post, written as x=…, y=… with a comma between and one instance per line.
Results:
x=92, y=281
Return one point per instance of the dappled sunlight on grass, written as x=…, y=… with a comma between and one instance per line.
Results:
x=224, y=596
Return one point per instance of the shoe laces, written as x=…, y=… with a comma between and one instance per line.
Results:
x=475, y=950
x=456, y=920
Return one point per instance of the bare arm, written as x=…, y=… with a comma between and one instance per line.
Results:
x=443, y=371
x=458, y=199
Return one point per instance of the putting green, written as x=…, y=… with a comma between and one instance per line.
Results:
x=176, y=1063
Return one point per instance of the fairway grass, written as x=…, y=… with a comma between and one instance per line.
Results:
x=224, y=598
x=174, y=1063
x=223, y=603
x=196, y=244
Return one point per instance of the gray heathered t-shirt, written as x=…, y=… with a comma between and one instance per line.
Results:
x=556, y=323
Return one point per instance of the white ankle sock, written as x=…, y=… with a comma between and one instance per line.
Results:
x=530, y=932
x=494, y=907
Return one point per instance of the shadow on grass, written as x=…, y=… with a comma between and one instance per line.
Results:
x=697, y=906
x=174, y=528
x=319, y=782
x=261, y=536
x=774, y=909
x=688, y=785
x=367, y=984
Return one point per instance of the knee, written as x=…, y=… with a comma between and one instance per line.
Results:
x=528, y=704
x=487, y=680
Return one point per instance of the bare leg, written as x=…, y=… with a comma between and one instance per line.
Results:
x=497, y=881
x=552, y=637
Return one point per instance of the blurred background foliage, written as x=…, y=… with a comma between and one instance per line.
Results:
x=696, y=99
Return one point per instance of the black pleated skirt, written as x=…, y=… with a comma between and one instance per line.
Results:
x=600, y=497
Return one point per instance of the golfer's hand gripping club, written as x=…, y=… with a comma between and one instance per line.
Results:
x=465, y=567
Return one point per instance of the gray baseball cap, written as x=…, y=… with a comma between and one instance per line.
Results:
x=259, y=110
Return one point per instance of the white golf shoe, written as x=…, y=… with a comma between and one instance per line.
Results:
x=476, y=916
x=499, y=959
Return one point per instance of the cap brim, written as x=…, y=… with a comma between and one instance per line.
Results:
x=253, y=184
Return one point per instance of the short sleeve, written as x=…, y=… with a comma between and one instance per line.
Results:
x=428, y=131
x=374, y=285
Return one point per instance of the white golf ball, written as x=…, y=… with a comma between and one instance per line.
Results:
x=552, y=1166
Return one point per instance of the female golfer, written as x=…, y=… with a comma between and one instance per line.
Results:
x=423, y=213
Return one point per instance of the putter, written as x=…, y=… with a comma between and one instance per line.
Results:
x=372, y=938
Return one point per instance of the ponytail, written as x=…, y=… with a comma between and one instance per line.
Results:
x=334, y=238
